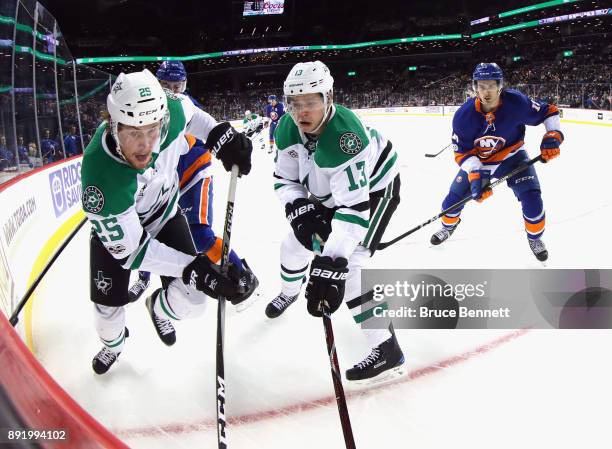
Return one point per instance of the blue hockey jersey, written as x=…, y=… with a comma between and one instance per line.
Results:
x=274, y=113
x=497, y=135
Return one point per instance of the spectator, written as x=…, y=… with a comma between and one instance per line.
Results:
x=7, y=158
x=32, y=149
x=51, y=150
x=72, y=142
x=22, y=151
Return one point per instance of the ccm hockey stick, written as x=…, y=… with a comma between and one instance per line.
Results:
x=498, y=181
x=14, y=319
x=220, y=371
x=345, y=420
x=435, y=154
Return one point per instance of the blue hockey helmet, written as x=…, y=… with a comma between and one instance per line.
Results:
x=488, y=71
x=271, y=97
x=171, y=71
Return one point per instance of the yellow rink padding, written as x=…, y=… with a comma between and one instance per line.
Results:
x=41, y=260
x=581, y=122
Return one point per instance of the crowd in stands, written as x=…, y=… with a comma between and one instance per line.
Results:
x=28, y=154
x=566, y=82
x=581, y=82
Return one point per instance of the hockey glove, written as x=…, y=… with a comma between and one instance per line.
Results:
x=325, y=289
x=209, y=278
x=549, y=148
x=307, y=218
x=231, y=147
x=479, y=180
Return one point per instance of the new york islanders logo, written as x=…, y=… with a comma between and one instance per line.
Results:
x=487, y=146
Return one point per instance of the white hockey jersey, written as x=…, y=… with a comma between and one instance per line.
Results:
x=340, y=169
x=128, y=207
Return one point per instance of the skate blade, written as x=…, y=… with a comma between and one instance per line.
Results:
x=241, y=307
x=384, y=377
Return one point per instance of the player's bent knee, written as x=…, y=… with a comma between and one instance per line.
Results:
x=109, y=320
x=291, y=245
x=532, y=204
x=452, y=198
x=186, y=302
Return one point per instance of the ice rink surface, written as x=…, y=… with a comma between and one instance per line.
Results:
x=477, y=389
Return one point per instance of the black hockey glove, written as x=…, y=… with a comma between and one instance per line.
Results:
x=325, y=289
x=207, y=277
x=231, y=147
x=307, y=218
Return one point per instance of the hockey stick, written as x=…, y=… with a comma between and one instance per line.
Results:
x=337, y=378
x=459, y=203
x=345, y=420
x=220, y=365
x=435, y=154
x=14, y=319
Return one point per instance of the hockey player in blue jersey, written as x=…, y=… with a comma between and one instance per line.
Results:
x=274, y=111
x=196, y=194
x=488, y=140
x=173, y=76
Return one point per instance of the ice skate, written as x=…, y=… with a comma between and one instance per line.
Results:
x=538, y=248
x=104, y=359
x=385, y=362
x=163, y=327
x=139, y=287
x=443, y=234
x=279, y=304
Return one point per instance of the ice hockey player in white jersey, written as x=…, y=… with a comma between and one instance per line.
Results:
x=252, y=123
x=130, y=196
x=338, y=181
x=252, y=126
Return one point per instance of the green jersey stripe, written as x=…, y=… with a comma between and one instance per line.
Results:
x=352, y=219
x=170, y=205
x=370, y=313
x=384, y=171
x=114, y=343
x=288, y=279
x=163, y=302
x=374, y=222
x=138, y=259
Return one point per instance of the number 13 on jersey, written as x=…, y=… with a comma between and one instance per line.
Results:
x=356, y=171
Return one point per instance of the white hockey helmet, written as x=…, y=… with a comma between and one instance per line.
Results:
x=308, y=78
x=311, y=77
x=137, y=99
x=247, y=113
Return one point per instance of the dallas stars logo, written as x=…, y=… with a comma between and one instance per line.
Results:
x=93, y=199
x=117, y=87
x=350, y=143
x=103, y=284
